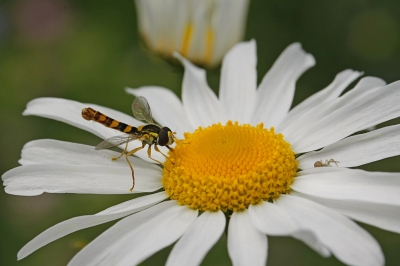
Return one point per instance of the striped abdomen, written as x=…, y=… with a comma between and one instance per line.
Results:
x=91, y=114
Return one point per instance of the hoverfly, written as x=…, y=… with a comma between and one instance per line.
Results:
x=326, y=163
x=149, y=134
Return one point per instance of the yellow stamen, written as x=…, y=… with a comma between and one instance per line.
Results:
x=229, y=167
x=187, y=37
x=208, y=51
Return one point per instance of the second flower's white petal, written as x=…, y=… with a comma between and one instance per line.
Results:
x=198, y=239
x=275, y=93
x=348, y=242
x=371, y=109
x=349, y=184
x=246, y=245
x=338, y=85
x=271, y=219
x=147, y=235
x=229, y=23
x=78, y=223
x=238, y=82
x=199, y=101
x=166, y=107
x=358, y=150
x=49, y=151
x=36, y=179
x=384, y=216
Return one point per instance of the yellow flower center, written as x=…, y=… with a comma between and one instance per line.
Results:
x=229, y=167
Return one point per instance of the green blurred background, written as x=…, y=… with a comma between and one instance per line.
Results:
x=89, y=51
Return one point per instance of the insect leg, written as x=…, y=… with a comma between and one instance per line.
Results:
x=149, y=154
x=133, y=174
x=122, y=153
x=126, y=157
x=166, y=157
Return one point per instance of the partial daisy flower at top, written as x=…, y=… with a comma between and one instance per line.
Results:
x=244, y=157
x=201, y=31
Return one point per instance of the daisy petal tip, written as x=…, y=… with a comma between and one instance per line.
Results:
x=177, y=55
x=298, y=48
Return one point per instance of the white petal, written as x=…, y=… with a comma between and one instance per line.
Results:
x=36, y=179
x=69, y=112
x=320, y=111
x=275, y=93
x=238, y=82
x=166, y=107
x=348, y=242
x=193, y=246
x=49, y=151
x=229, y=23
x=100, y=247
x=369, y=110
x=338, y=85
x=139, y=236
x=349, y=184
x=357, y=150
x=384, y=216
x=200, y=103
x=309, y=238
x=246, y=245
x=271, y=219
x=77, y=223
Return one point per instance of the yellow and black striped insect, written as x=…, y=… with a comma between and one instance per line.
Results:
x=149, y=134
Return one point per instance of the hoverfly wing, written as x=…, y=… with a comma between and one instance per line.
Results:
x=141, y=110
x=115, y=141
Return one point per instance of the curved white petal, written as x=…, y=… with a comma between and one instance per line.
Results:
x=319, y=112
x=348, y=242
x=275, y=93
x=350, y=184
x=199, y=238
x=384, y=216
x=166, y=107
x=309, y=238
x=337, y=86
x=138, y=236
x=36, y=179
x=369, y=110
x=238, y=82
x=49, y=151
x=271, y=219
x=200, y=103
x=69, y=112
x=246, y=245
x=357, y=150
x=100, y=247
x=77, y=223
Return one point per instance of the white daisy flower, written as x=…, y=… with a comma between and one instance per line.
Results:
x=202, y=31
x=257, y=172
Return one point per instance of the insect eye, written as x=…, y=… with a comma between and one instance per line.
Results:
x=164, y=137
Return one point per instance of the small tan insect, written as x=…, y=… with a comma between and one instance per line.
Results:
x=326, y=163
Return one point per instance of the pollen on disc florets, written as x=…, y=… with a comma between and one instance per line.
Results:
x=229, y=167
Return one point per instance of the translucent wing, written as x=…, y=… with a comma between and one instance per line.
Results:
x=141, y=110
x=115, y=141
